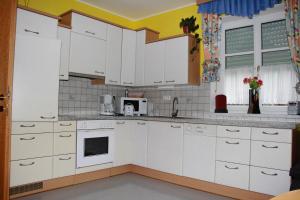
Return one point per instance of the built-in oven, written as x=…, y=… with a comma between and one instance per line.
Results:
x=95, y=143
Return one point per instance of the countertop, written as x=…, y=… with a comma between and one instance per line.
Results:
x=228, y=121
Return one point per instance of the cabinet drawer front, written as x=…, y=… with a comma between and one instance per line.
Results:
x=65, y=126
x=63, y=165
x=200, y=129
x=64, y=143
x=31, y=127
x=31, y=146
x=30, y=23
x=233, y=150
x=272, y=135
x=88, y=26
x=29, y=171
x=234, y=132
x=269, y=181
x=271, y=154
x=233, y=175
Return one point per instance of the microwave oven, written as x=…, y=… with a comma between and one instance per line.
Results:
x=139, y=105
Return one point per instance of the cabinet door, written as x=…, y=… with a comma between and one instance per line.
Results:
x=140, y=58
x=64, y=35
x=123, y=143
x=139, y=144
x=114, y=55
x=176, y=64
x=36, y=80
x=154, y=63
x=128, y=57
x=165, y=147
x=87, y=55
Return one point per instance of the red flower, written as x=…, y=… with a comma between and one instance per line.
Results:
x=255, y=78
x=260, y=82
x=246, y=80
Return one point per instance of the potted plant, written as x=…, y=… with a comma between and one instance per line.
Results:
x=254, y=84
x=189, y=26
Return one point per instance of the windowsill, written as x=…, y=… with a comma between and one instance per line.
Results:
x=268, y=110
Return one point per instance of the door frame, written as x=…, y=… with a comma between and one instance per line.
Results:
x=8, y=9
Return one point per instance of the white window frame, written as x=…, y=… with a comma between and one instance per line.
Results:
x=230, y=22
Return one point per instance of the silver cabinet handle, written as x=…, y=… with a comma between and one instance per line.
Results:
x=157, y=82
x=30, y=31
x=98, y=72
x=119, y=123
x=231, y=167
x=264, y=173
x=232, y=131
x=268, y=147
x=27, y=126
x=266, y=133
x=69, y=158
x=32, y=138
x=65, y=136
x=62, y=75
x=141, y=123
x=65, y=124
x=29, y=164
x=173, y=126
x=129, y=83
x=43, y=117
x=89, y=32
x=173, y=81
x=232, y=142
x=111, y=81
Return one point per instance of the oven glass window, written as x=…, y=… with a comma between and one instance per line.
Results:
x=95, y=146
x=135, y=104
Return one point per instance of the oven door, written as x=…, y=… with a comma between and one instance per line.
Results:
x=94, y=147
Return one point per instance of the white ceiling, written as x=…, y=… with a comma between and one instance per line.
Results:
x=138, y=9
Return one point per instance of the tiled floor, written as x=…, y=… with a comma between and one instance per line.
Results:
x=125, y=187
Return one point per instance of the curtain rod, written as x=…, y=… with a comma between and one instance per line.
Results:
x=202, y=1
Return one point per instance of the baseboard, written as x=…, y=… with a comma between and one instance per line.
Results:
x=171, y=178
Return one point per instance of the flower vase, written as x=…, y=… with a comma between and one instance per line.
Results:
x=253, y=102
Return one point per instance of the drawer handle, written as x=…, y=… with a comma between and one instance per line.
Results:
x=129, y=83
x=30, y=31
x=264, y=173
x=27, y=126
x=65, y=136
x=65, y=124
x=232, y=131
x=32, y=138
x=65, y=158
x=98, y=72
x=139, y=123
x=89, y=32
x=157, y=82
x=42, y=117
x=29, y=164
x=232, y=142
x=199, y=131
x=172, y=126
x=231, y=167
x=268, y=147
x=120, y=123
x=266, y=133
x=173, y=81
x=111, y=81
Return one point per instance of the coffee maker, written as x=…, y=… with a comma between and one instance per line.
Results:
x=107, y=105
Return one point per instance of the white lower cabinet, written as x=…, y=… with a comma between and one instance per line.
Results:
x=231, y=174
x=165, y=147
x=63, y=165
x=31, y=170
x=269, y=181
x=64, y=143
x=139, y=143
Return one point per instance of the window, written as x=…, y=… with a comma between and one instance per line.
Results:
x=261, y=41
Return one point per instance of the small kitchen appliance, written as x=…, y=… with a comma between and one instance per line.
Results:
x=139, y=105
x=128, y=110
x=294, y=108
x=221, y=104
x=107, y=105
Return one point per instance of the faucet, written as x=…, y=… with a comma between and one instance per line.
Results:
x=174, y=112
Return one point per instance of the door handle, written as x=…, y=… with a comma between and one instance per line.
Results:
x=2, y=97
x=2, y=108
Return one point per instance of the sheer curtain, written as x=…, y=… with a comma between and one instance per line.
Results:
x=279, y=81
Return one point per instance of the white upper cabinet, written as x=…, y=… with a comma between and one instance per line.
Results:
x=34, y=24
x=140, y=58
x=64, y=35
x=36, y=80
x=114, y=55
x=177, y=60
x=154, y=63
x=128, y=57
x=88, y=26
x=87, y=55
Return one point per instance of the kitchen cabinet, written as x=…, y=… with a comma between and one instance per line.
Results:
x=139, y=143
x=36, y=80
x=140, y=58
x=123, y=143
x=114, y=55
x=64, y=35
x=154, y=63
x=64, y=165
x=199, y=151
x=128, y=57
x=87, y=55
x=165, y=147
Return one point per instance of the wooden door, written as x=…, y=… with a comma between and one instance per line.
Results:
x=8, y=10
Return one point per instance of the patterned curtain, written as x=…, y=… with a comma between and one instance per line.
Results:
x=211, y=37
x=292, y=13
